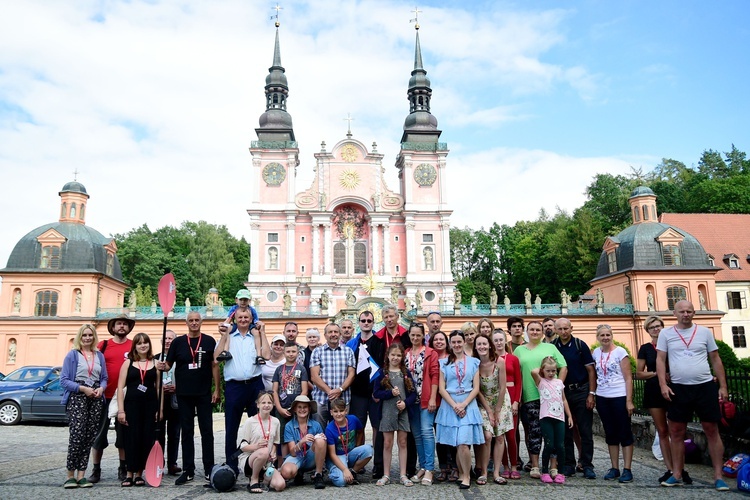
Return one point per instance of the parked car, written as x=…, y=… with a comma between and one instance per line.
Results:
x=40, y=403
x=29, y=377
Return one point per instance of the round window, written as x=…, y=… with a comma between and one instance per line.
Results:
x=272, y=296
x=429, y=296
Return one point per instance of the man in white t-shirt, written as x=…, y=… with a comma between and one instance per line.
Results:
x=690, y=348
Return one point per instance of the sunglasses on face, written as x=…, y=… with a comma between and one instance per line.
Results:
x=365, y=321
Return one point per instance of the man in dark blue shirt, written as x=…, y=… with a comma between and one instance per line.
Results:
x=580, y=391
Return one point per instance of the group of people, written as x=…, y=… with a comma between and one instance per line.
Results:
x=428, y=392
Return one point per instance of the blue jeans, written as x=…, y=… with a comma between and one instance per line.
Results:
x=336, y=475
x=421, y=422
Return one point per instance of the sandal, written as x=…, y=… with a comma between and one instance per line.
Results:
x=254, y=488
x=418, y=476
x=453, y=476
x=515, y=474
x=383, y=481
x=139, y=481
x=127, y=482
x=427, y=481
x=500, y=480
x=481, y=480
x=406, y=481
x=506, y=474
x=463, y=486
x=442, y=476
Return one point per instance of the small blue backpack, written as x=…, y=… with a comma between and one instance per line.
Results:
x=743, y=478
x=733, y=465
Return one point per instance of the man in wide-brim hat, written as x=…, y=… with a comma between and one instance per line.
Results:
x=115, y=351
x=306, y=443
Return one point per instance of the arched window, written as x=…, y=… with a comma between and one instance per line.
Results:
x=110, y=264
x=360, y=258
x=636, y=214
x=672, y=256
x=83, y=210
x=339, y=258
x=674, y=295
x=63, y=210
x=72, y=210
x=645, y=212
x=50, y=258
x=612, y=261
x=46, y=303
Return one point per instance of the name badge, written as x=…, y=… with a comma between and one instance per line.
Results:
x=192, y=366
x=142, y=388
x=688, y=354
x=89, y=382
x=460, y=390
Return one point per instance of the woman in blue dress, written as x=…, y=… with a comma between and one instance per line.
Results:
x=458, y=420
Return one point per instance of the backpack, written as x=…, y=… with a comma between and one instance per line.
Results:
x=743, y=478
x=734, y=464
x=222, y=478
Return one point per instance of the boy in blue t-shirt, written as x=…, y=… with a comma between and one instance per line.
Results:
x=347, y=452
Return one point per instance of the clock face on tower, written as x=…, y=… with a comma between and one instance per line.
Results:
x=274, y=174
x=425, y=174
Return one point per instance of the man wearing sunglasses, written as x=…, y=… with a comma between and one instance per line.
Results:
x=362, y=403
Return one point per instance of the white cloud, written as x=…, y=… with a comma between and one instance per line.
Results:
x=155, y=103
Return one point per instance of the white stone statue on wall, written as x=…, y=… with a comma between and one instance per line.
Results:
x=17, y=301
x=418, y=299
x=394, y=296
x=187, y=305
x=273, y=258
x=599, y=297
x=351, y=299
x=538, y=301
x=493, y=299
x=527, y=298
x=324, y=300
x=650, y=301
x=702, y=301
x=287, y=301
x=506, y=301
x=473, y=302
x=153, y=307
x=132, y=300
x=12, y=346
x=457, y=298
x=564, y=299
x=428, y=260
x=407, y=303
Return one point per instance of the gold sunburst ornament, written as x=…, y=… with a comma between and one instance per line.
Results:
x=349, y=153
x=349, y=179
x=370, y=284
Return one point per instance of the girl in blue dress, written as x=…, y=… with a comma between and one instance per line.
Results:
x=458, y=420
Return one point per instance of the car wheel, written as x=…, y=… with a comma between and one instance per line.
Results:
x=10, y=413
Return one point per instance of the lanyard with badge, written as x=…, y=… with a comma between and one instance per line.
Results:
x=344, y=442
x=460, y=378
x=194, y=365
x=688, y=353
x=142, y=386
x=90, y=368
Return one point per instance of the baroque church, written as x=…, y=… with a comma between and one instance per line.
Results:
x=349, y=235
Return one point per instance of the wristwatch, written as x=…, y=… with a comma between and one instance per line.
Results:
x=592, y=393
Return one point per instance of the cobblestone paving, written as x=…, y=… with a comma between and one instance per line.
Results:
x=32, y=466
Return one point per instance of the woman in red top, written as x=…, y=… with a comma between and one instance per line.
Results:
x=513, y=384
x=422, y=362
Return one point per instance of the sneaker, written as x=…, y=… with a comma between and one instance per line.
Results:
x=612, y=474
x=559, y=479
x=84, y=483
x=184, y=478
x=534, y=473
x=569, y=471
x=627, y=476
x=354, y=475
x=318, y=481
x=686, y=477
x=720, y=485
x=70, y=484
x=666, y=476
x=588, y=473
x=546, y=478
x=672, y=481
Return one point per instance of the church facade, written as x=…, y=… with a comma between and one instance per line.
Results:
x=349, y=235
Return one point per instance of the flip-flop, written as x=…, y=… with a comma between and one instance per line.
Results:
x=500, y=480
x=127, y=482
x=515, y=474
x=139, y=481
x=254, y=488
x=481, y=480
x=463, y=486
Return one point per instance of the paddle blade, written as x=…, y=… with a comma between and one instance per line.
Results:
x=167, y=292
x=154, y=466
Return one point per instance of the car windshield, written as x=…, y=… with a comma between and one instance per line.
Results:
x=27, y=375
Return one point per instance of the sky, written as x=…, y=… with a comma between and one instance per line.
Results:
x=154, y=103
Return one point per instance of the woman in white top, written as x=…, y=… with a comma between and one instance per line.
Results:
x=277, y=359
x=614, y=401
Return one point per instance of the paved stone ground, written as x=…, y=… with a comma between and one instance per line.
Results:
x=32, y=465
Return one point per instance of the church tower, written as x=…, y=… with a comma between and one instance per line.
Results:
x=421, y=167
x=275, y=157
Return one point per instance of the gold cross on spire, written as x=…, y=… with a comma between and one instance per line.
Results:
x=349, y=127
x=277, y=9
x=416, y=12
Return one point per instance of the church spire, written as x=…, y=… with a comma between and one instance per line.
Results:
x=276, y=122
x=419, y=122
